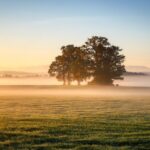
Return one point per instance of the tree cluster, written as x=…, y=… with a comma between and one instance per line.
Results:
x=96, y=59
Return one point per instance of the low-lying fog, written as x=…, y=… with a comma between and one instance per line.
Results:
x=60, y=91
x=140, y=81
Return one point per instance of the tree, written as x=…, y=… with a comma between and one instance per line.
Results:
x=71, y=65
x=97, y=59
x=80, y=65
x=68, y=55
x=58, y=69
x=107, y=60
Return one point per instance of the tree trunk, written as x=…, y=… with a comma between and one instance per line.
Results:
x=69, y=83
x=79, y=83
x=64, y=83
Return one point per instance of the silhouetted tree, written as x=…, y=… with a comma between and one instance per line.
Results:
x=68, y=53
x=97, y=58
x=71, y=65
x=107, y=60
x=58, y=69
x=80, y=65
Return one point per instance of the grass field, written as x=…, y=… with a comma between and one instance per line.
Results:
x=109, y=120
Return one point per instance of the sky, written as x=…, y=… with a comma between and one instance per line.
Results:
x=32, y=31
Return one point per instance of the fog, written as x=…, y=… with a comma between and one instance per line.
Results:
x=88, y=91
x=29, y=81
x=132, y=81
x=136, y=81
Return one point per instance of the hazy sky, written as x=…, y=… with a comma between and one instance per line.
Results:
x=32, y=31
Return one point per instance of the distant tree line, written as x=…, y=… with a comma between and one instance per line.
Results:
x=97, y=59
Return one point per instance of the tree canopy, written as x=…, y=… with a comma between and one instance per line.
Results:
x=96, y=59
x=71, y=65
x=107, y=60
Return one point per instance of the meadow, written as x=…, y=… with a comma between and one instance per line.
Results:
x=43, y=117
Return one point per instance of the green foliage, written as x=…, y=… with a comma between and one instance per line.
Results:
x=107, y=60
x=59, y=68
x=71, y=65
x=97, y=58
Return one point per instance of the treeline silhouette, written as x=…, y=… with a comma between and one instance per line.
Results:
x=96, y=59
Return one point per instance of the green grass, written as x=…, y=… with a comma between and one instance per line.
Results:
x=73, y=122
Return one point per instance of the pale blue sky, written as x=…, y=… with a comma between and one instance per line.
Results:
x=32, y=31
